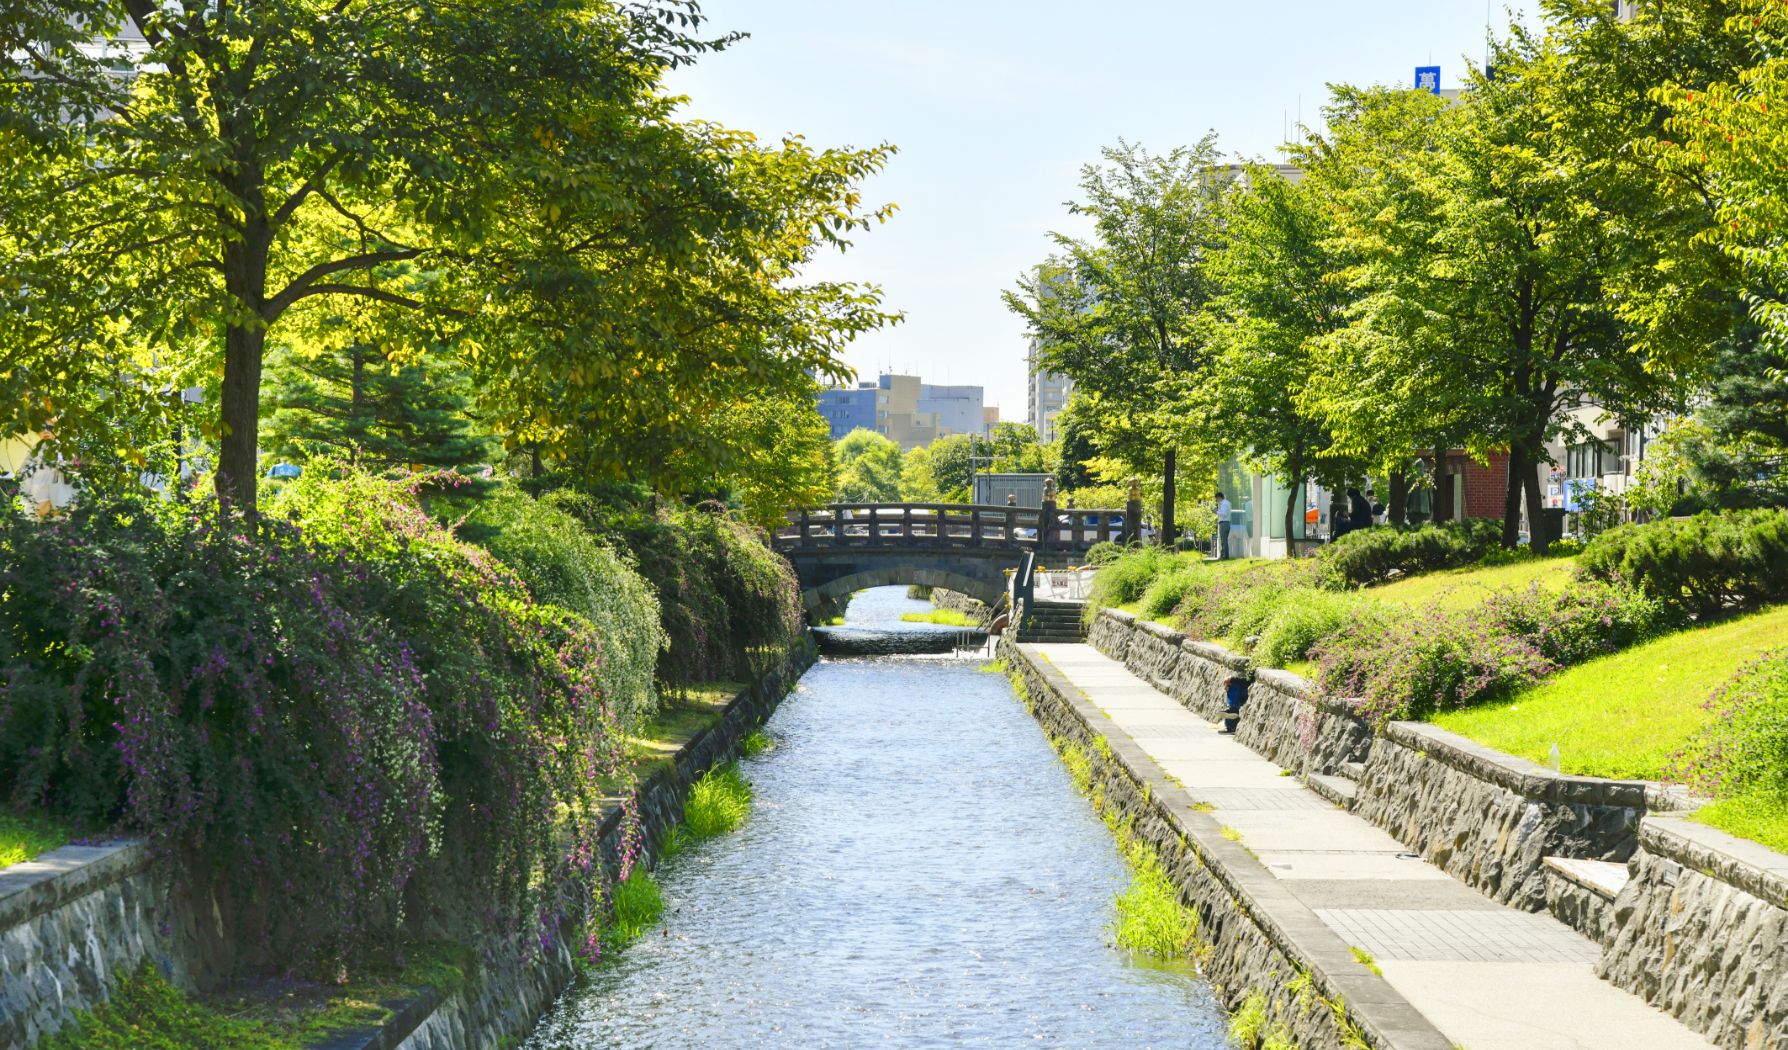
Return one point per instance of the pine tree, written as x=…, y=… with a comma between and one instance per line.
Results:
x=357, y=402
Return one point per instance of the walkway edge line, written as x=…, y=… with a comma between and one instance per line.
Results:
x=1167, y=816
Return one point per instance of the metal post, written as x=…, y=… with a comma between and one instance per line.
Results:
x=1046, y=517
x=1133, y=513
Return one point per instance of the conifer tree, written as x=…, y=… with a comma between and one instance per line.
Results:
x=357, y=402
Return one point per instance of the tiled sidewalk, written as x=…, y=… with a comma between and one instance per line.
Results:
x=1488, y=976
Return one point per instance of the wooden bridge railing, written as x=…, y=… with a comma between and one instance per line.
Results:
x=893, y=525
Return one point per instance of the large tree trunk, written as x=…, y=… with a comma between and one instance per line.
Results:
x=245, y=342
x=1536, y=525
x=1294, y=504
x=237, y=466
x=1167, y=493
x=1397, y=500
x=1511, y=503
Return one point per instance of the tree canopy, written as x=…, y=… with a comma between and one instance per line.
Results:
x=511, y=182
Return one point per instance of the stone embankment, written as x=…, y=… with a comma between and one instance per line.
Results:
x=78, y=919
x=1691, y=920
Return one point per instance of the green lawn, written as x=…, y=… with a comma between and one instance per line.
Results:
x=1623, y=715
x=25, y=836
x=1463, y=588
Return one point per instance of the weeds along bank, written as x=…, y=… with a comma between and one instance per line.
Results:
x=383, y=713
x=1437, y=623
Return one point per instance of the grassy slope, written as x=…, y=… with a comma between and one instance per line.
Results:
x=23, y=836
x=1462, y=588
x=655, y=744
x=1623, y=715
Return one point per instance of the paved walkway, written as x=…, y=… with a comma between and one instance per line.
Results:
x=1488, y=976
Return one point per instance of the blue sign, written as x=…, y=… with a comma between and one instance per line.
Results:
x=1428, y=79
x=1574, y=488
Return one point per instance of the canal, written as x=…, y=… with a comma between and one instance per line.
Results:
x=917, y=870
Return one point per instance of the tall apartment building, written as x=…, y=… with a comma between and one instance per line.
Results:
x=909, y=412
x=1047, y=396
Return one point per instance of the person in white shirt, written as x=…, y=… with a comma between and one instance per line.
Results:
x=1222, y=525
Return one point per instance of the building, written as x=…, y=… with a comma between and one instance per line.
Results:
x=909, y=412
x=1047, y=395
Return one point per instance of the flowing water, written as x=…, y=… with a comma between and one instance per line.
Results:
x=917, y=870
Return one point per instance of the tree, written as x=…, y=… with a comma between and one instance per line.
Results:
x=1280, y=296
x=1015, y=449
x=869, y=468
x=507, y=180
x=1487, y=279
x=788, y=457
x=951, y=463
x=1076, y=451
x=354, y=402
x=1117, y=311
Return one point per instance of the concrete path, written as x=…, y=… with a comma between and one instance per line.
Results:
x=1488, y=976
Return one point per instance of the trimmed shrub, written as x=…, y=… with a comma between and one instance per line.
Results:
x=1384, y=552
x=1104, y=552
x=1706, y=565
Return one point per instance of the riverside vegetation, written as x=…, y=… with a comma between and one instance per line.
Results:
x=1631, y=633
x=333, y=694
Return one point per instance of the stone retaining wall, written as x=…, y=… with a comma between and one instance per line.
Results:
x=1254, y=934
x=76, y=920
x=1701, y=932
x=1288, y=720
x=1490, y=819
x=1191, y=672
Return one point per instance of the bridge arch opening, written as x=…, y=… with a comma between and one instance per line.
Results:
x=827, y=600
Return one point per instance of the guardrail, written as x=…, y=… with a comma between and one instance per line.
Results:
x=951, y=525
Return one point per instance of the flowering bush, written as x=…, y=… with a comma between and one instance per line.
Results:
x=1406, y=665
x=562, y=562
x=307, y=708
x=226, y=690
x=1745, y=749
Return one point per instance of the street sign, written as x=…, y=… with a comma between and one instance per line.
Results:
x=1428, y=79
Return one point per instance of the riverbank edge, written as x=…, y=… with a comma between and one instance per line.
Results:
x=76, y=920
x=503, y=1002
x=1253, y=935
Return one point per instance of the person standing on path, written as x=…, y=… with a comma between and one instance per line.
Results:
x=1359, y=511
x=1222, y=526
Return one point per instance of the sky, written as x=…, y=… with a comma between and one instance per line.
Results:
x=995, y=105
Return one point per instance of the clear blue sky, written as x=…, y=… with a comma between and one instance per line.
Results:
x=995, y=105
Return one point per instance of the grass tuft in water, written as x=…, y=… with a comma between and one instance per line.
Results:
x=1150, y=917
x=945, y=617
x=993, y=667
x=718, y=803
x=756, y=743
x=635, y=906
x=676, y=840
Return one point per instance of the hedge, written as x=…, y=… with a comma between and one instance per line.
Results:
x=1707, y=565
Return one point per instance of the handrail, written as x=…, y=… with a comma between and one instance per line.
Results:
x=948, y=525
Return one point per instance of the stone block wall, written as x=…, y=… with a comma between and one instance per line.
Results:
x=1288, y=720
x=956, y=601
x=77, y=920
x=1191, y=672
x=1701, y=932
x=1489, y=819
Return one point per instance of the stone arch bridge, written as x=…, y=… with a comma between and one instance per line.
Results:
x=845, y=547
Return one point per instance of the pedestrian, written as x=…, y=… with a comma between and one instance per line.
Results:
x=1338, y=524
x=1359, y=511
x=1378, y=508
x=1235, y=694
x=1222, y=526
